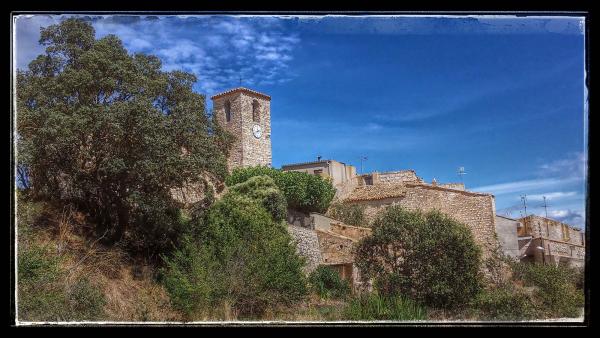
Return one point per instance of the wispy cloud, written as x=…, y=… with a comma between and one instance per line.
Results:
x=219, y=50
x=525, y=185
x=552, y=195
x=574, y=165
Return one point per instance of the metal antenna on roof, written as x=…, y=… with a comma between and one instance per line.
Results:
x=545, y=205
x=240, y=81
x=524, y=199
x=461, y=172
x=362, y=158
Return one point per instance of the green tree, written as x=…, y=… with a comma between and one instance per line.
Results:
x=112, y=134
x=427, y=256
x=303, y=192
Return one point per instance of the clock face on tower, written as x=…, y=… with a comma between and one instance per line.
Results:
x=256, y=131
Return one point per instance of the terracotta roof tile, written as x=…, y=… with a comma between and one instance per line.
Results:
x=241, y=89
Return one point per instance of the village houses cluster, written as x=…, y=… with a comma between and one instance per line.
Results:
x=326, y=241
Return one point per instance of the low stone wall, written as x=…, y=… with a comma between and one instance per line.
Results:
x=307, y=246
x=354, y=232
x=398, y=177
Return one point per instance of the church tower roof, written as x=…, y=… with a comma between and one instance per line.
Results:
x=241, y=89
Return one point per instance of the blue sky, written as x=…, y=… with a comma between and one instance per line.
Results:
x=501, y=96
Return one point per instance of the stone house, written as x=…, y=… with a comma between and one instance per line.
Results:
x=548, y=241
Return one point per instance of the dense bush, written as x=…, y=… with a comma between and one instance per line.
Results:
x=112, y=133
x=426, y=256
x=352, y=214
x=303, y=192
x=505, y=303
x=239, y=255
x=555, y=288
x=327, y=283
x=374, y=306
x=263, y=189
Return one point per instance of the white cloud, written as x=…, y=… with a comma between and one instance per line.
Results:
x=568, y=216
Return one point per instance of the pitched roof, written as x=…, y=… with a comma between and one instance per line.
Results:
x=241, y=89
x=376, y=192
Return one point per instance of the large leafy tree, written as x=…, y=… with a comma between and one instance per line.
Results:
x=111, y=133
x=425, y=255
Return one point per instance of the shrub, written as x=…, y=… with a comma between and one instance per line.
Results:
x=505, y=303
x=327, y=283
x=239, y=256
x=374, y=306
x=426, y=256
x=352, y=214
x=303, y=192
x=555, y=287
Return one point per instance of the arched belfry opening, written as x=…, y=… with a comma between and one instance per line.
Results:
x=227, y=111
x=255, y=111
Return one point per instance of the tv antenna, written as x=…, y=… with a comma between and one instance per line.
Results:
x=524, y=199
x=545, y=205
x=362, y=158
x=461, y=172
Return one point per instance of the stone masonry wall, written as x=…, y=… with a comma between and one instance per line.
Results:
x=542, y=227
x=398, y=176
x=247, y=150
x=307, y=246
x=475, y=210
x=350, y=231
x=335, y=249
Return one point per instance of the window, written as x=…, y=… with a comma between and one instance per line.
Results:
x=255, y=111
x=318, y=172
x=227, y=111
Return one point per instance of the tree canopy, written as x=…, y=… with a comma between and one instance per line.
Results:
x=112, y=133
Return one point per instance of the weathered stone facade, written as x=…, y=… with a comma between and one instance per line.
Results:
x=506, y=229
x=476, y=210
x=547, y=241
x=239, y=111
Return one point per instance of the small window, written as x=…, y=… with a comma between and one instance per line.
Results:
x=318, y=172
x=255, y=111
x=227, y=111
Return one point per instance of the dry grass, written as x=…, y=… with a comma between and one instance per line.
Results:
x=129, y=295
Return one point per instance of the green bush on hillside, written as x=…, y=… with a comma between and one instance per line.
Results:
x=239, y=255
x=506, y=302
x=327, y=283
x=428, y=257
x=303, y=192
x=352, y=214
x=555, y=288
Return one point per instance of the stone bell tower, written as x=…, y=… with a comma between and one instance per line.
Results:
x=246, y=114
